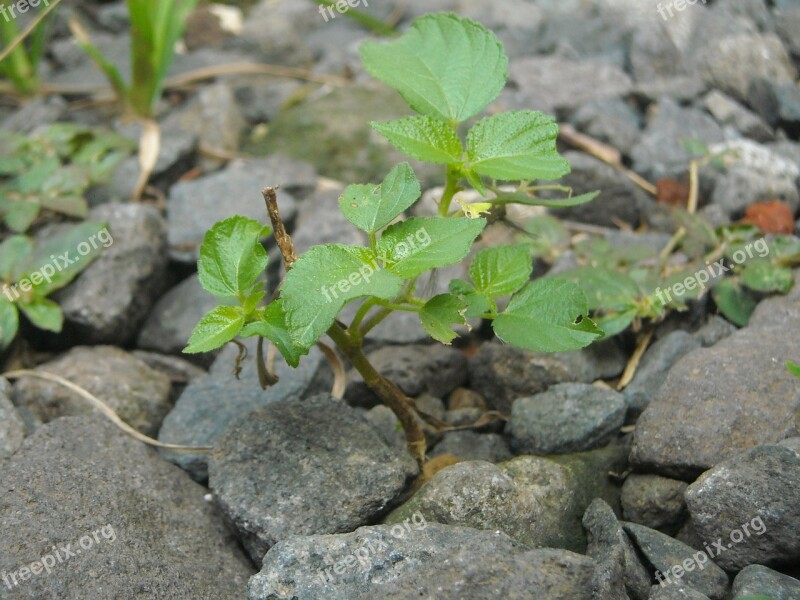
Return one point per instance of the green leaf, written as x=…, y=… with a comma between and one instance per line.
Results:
x=526, y=200
x=323, y=280
x=476, y=303
x=544, y=234
x=19, y=215
x=61, y=258
x=763, y=276
x=547, y=315
x=513, y=146
x=232, y=257
x=605, y=289
x=734, y=301
x=13, y=251
x=9, y=322
x=439, y=313
x=616, y=323
x=444, y=66
x=418, y=244
x=372, y=207
x=44, y=314
x=423, y=138
x=501, y=270
x=272, y=325
x=215, y=329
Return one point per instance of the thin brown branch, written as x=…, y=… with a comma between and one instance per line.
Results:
x=283, y=239
x=337, y=366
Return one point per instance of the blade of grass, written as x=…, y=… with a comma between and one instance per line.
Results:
x=110, y=71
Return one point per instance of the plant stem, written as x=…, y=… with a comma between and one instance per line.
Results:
x=450, y=190
x=350, y=345
x=391, y=395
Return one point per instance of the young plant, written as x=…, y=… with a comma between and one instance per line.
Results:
x=20, y=64
x=30, y=273
x=448, y=69
x=632, y=284
x=52, y=170
x=155, y=29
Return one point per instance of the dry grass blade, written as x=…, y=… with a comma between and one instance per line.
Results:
x=27, y=31
x=106, y=410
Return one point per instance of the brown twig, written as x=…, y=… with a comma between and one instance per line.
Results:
x=283, y=239
x=337, y=366
x=633, y=363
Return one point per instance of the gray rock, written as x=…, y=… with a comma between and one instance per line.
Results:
x=12, y=427
x=436, y=369
x=262, y=100
x=740, y=187
x=109, y=300
x=606, y=542
x=654, y=367
x=213, y=115
x=554, y=84
x=130, y=520
x=612, y=121
x=682, y=88
x=319, y=221
x=210, y=403
x=730, y=63
x=749, y=502
x=537, y=501
x=439, y=561
x=194, y=206
x=706, y=410
x=758, y=580
x=653, y=53
x=568, y=417
x=471, y=445
x=675, y=591
x=675, y=562
x=137, y=393
x=715, y=330
x=303, y=468
x=502, y=373
x=37, y=113
x=176, y=155
x=179, y=371
x=619, y=200
x=792, y=442
x=653, y=501
x=728, y=111
x=384, y=420
x=661, y=152
x=173, y=318
x=345, y=148
x=789, y=105
x=276, y=32
x=596, y=35
x=787, y=23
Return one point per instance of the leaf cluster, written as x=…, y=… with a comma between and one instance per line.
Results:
x=51, y=170
x=30, y=272
x=448, y=69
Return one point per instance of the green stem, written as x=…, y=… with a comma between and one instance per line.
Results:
x=402, y=307
x=450, y=190
x=363, y=18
